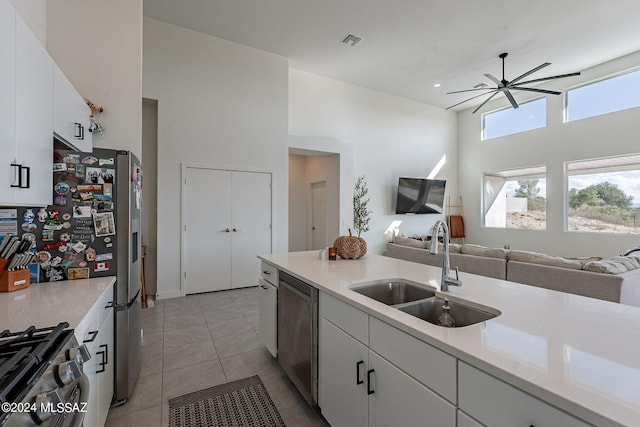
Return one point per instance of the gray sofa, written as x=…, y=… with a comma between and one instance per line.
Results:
x=615, y=279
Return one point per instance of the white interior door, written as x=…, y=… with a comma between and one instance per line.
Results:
x=319, y=238
x=207, y=263
x=251, y=228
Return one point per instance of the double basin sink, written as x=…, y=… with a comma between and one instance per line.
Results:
x=421, y=301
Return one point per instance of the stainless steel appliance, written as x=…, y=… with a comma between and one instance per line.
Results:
x=41, y=378
x=93, y=230
x=298, y=335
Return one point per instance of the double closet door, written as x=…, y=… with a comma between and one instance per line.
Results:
x=227, y=224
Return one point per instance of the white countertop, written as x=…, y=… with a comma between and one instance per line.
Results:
x=47, y=304
x=579, y=354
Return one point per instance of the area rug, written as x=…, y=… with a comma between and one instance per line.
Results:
x=237, y=403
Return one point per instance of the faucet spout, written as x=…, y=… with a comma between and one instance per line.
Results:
x=446, y=265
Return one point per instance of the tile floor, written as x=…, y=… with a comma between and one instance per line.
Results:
x=197, y=342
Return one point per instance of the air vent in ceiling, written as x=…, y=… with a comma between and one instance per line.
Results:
x=351, y=40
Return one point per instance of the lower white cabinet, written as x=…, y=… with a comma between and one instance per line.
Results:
x=268, y=315
x=358, y=387
x=498, y=404
x=342, y=377
x=97, y=333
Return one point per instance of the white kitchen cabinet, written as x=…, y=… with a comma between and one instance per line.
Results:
x=96, y=331
x=397, y=396
x=498, y=404
x=7, y=99
x=268, y=307
x=359, y=387
x=27, y=134
x=342, y=382
x=71, y=114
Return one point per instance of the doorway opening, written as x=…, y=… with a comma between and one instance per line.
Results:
x=314, y=199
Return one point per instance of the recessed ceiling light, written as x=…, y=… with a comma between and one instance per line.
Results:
x=436, y=85
x=351, y=40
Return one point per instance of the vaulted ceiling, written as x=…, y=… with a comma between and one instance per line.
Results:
x=408, y=46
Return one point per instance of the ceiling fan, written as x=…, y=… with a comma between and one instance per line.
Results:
x=506, y=86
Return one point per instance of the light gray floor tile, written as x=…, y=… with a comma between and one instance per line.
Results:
x=147, y=393
x=227, y=328
x=183, y=357
x=193, y=354
x=236, y=344
x=185, y=336
x=149, y=417
x=185, y=380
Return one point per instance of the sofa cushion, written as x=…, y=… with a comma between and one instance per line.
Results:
x=414, y=243
x=454, y=248
x=614, y=265
x=544, y=259
x=484, y=251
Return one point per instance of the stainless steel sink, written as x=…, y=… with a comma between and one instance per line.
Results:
x=463, y=314
x=394, y=291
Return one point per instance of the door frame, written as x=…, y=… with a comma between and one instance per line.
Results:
x=183, y=208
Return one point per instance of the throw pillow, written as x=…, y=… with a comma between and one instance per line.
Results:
x=544, y=259
x=406, y=241
x=484, y=251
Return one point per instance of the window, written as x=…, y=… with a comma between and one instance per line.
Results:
x=530, y=115
x=603, y=195
x=516, y=198
x=605, y=96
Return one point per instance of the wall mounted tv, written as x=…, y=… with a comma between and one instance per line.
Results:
x=420, y=196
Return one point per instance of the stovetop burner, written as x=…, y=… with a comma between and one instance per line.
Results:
x=23, y=357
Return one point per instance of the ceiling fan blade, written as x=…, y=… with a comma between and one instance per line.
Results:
x=529, y=89
x=533, y=70
x=468, y=90
x=559, y=76
x=511, y=99
x=473, y=97
x=485, y=101
x=493, y=79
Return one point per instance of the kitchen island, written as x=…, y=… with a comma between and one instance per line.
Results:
x=572, y=353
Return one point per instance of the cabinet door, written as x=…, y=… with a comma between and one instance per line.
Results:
x=7, y=100
x=105, y=372
x=251, y=224
x=398, y=397
x=342, y=378
x=268, y=316
x=34, y=117
x=70, y=113
x=498, y=404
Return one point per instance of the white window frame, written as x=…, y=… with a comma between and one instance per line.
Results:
x=483, y=133
x=565, y=95
x=528, y=172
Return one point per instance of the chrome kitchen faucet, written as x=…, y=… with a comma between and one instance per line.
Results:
x=446, y=269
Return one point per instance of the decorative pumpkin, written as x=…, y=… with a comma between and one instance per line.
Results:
x=350, y=247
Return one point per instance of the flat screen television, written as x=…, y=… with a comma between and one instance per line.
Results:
x=420, y=196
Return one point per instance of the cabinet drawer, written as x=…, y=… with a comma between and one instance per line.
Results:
x=269, y=273
x=432, y=367
x=498, y=404
x=349, y=319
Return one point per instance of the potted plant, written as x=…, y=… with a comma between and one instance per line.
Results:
x=352, y=247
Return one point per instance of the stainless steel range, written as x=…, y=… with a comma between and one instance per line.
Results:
x=41, y=377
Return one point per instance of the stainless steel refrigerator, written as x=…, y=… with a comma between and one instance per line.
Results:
x=93, y=230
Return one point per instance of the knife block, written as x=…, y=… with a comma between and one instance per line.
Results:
x=13, y=280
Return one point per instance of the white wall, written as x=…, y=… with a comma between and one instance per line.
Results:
x=602, y=136
x=220, y=104
x=34, y=13
x=389, y=137
x=98, y=45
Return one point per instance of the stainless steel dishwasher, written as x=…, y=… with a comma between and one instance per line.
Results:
x=298, y=335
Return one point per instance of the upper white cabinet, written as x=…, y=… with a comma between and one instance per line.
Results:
x=26, y=114
x=70, y=114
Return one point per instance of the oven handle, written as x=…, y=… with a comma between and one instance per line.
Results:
x=83, y=397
